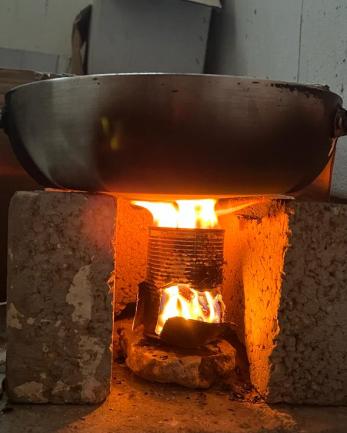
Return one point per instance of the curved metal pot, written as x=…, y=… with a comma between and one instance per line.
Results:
x=173, y=134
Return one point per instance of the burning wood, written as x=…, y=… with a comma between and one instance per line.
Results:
x=185, y=302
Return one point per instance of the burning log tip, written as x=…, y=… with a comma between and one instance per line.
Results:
x=189, y=333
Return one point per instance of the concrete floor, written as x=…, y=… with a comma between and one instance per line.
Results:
x=140, y=407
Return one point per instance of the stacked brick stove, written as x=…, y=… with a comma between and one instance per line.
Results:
x=75, y=259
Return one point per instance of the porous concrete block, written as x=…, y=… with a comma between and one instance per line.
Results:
x=288, y=275
x=309, y=360
x=60, y=304
x=131, y=247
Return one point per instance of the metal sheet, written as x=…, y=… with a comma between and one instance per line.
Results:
x=148, y=35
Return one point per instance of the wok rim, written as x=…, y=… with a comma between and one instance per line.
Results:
x=322, y=89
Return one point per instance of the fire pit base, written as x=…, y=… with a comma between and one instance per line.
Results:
x=198, y=368
x=135, y=406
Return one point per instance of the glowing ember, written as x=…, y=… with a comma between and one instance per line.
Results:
x=187, y=214
x=183, y=301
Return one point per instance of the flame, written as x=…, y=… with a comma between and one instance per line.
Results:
x=186, y=214
x=183, y=301
x=197, y=214
x=164, y=213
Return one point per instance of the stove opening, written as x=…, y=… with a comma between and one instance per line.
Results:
x=181, y=332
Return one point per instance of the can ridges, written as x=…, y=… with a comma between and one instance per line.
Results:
x=185, y=256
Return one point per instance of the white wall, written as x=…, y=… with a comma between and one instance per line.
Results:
x=291, y=40
x=41, y=27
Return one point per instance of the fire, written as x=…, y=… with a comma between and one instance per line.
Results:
x=190, y=214
x=183, y=301
x=186, y=214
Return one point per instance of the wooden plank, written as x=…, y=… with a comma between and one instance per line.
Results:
x=10, y=78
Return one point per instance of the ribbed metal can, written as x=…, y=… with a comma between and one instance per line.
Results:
x=185, y=256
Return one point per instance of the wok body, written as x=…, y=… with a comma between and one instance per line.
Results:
x=172, y=134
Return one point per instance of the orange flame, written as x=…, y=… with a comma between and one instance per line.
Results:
x=183, y=301
x=187, y=214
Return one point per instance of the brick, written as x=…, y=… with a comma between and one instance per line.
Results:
x=60, y=304
x=286, y=288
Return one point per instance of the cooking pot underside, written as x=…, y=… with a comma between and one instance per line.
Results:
x=172, y=134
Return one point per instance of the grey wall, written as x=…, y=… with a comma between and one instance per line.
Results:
x=35, y=34
x=291, y=40
x=148, y=36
